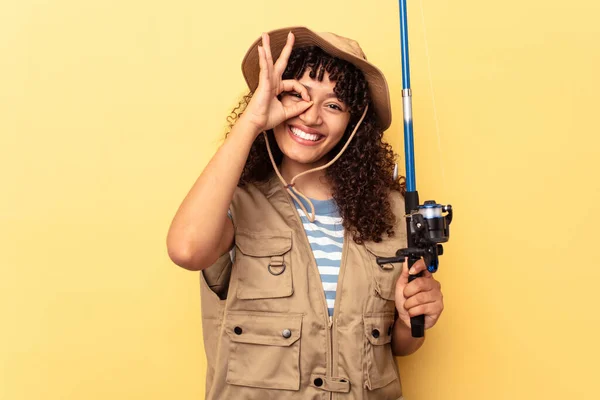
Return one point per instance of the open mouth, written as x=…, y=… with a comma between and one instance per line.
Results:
x=304, y=137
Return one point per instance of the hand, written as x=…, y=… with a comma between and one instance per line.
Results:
x=265, y=111
x=422, y=296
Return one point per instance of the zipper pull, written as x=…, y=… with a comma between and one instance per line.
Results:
x=330, y=324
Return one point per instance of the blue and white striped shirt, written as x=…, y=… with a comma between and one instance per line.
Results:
x=326, y=238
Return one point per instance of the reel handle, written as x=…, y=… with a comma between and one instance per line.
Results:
x=389, y=260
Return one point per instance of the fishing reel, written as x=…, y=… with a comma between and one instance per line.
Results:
x=427, y=229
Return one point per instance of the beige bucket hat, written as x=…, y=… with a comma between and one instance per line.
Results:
x=337, y=46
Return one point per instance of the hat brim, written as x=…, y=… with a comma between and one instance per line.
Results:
x=378, y=87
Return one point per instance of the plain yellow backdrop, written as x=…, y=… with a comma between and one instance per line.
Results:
x=110, y=109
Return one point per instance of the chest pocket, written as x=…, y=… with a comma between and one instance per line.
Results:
x=264, y=264
x=385, y=276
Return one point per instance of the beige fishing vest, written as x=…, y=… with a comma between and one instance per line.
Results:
x=272, y=338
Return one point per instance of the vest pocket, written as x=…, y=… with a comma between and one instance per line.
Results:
x=378, y=362
x=385, y=276
x=264, y=350
x=263, y=264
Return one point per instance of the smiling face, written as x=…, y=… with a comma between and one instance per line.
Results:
x=309, y=137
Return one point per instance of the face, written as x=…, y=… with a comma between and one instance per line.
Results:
x=310, y=136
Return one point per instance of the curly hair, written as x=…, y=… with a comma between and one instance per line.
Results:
x=362, y=177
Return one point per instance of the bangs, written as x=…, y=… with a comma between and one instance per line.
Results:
x=350, y=83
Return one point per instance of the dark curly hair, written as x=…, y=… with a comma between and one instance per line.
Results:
x=362, y=177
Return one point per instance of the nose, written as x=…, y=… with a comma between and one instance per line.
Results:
x=311, y=116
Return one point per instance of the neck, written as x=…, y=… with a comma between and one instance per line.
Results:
x=313, y=185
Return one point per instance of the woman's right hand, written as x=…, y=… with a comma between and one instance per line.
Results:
x=265, y=111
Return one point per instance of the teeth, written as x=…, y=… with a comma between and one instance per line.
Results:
x=304, y=135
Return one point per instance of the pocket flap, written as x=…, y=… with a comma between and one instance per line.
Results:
x=263, y=244
x=386, y=275
x=378, y=328
x=271, y=329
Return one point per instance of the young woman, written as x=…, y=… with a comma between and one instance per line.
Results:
x=285, y=223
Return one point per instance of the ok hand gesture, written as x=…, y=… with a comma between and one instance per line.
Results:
x=265, y=111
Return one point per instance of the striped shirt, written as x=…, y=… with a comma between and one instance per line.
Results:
x=326, y=238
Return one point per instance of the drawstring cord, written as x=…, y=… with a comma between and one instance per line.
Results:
x=290, y=186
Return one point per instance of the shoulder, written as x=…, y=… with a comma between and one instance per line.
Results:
x=264, y=189
x=398, y=209
x=396, y=200
x=260, y=206
x=250, y=196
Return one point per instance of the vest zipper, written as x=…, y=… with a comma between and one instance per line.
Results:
x=336, y=305
x=329, y=320
x=330, y=334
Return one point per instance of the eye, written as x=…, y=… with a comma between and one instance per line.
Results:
x=294, y=94
x=335, y=107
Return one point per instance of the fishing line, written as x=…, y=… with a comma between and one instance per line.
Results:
x=435, y=115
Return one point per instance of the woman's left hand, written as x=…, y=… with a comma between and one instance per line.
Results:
x=422, y=296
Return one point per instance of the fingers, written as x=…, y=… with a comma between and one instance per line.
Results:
x=430, y=309
x=423, y=284
x=403, y=278
x=418, y=267
x=266, y=41
x=422, y=298
x=404, y=273
x=291, y=85
x=264, y=76
x=265, y=61
x=296, y=109
x=282, y=61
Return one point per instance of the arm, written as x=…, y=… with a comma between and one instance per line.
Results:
x=201, y=231
x=403, y=344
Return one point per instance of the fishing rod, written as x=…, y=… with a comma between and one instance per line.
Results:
x=426, y=225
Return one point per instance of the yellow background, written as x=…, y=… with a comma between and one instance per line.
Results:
x=110, y=109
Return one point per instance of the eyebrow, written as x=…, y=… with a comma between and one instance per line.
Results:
x=329, y=95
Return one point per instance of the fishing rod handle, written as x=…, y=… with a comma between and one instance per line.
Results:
x=417, y=323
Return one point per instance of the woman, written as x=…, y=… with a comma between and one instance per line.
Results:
x=299, y=309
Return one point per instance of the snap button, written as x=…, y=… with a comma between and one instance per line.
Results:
x=286, y=333
x=237, y=330
x=375, y=333
x=318, y=382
